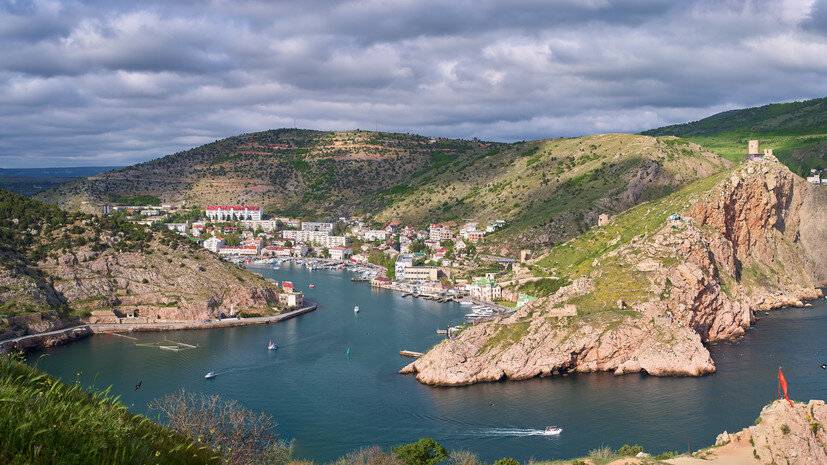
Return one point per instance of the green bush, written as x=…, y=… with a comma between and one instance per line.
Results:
x=630, y=451
x=506, y=461
x=426, y=451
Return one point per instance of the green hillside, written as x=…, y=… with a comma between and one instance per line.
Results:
x=44, y=421
x=796, y=132
x=548, y=190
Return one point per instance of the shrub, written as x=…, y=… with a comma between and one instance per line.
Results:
x=628, y=450
x=785, y=429
x=145, y=281
x=506, y=461
x=240, y=435
x=368, y=456
x=463, y=457
x=602, y=453
x=426, y=451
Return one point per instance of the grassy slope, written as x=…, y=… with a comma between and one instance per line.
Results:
x=548, y=190
x=797, y=132
x=289, y=171
x=593, y=250
x=45, y=421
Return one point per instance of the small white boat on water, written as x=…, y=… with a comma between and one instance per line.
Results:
x=272, y=346
x=210, y=375
x=552, y=431
x=356, y=309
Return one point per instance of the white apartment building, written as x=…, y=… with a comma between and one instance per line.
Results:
x=320, y=238
x=403, y=261
x=438, y=232
x=420, y=273
x=265, y=225
x=376, y=235
x=233, y=213
x=214, y=243
x=339, y=253
x=324, y=227
x=247, y=250
x=180, y=228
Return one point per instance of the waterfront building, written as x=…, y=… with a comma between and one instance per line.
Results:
x=339, y=253
x=321, y=238
x=277, y=251
x=485, y=288
x=421, y=273
x=233, y=213
x=403, y=261
x=299, y=250
x=245, y=250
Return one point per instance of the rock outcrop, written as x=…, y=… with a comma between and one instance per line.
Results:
x=669, y=276
x=786, y=434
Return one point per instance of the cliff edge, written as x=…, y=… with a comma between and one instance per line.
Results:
x=650, y=288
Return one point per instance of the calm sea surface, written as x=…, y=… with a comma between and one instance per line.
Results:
x=333, y=402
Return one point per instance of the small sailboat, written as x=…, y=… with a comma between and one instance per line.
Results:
x=356, y=309
x=210, y=375
x=552, y=431
x=312, y=286
x=272, y=346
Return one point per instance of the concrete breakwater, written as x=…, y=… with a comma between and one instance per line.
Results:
x=66, y=335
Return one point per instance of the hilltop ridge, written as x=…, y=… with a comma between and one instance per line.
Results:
x=796, y=131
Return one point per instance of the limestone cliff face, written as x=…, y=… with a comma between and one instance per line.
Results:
x=158, y=284
x=669, y=276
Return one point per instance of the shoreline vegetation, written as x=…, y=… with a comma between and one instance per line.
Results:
x=43, y=420
x=66, y=335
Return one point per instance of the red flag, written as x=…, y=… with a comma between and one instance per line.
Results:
x=783, y=382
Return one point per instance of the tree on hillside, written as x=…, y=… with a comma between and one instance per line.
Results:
x=426, y=451
x=241, y=436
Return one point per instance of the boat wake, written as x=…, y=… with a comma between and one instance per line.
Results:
x=512, y=432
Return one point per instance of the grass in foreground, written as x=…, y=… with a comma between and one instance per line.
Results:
x=45, y=421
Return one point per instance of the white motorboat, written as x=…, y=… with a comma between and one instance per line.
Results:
x=272, y=346
x=210, y=375
x=466, y=302
x=552, y=431
x=356, y=309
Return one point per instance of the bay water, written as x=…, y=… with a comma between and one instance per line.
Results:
x=333, y=386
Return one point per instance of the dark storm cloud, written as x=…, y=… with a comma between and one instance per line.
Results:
x=117, y=82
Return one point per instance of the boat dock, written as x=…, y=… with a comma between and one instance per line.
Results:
x=410, y=353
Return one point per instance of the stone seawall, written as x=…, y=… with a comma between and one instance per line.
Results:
x=64, y=336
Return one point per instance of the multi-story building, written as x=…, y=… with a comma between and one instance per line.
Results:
x=403, y=261
x=233, y=213
x=330, y=241
x=180, y=228
x=375, y=235
x=265, y=225
x=421, y=273
x=339, y=253
x=439, y=232
x=214, y=243
x=324, y=227
x=245, y=250
x=485, y=288
x=277, y=251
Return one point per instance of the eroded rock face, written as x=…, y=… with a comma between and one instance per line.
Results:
x=178, y=285
x=788, y=434
x=740, y=247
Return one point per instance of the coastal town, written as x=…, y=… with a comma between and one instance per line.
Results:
x=445, y=262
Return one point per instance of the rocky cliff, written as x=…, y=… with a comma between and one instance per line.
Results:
x=655, y=284
x=785, y=434
x=58, y=267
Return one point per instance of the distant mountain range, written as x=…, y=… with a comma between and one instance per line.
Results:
x=29, y=181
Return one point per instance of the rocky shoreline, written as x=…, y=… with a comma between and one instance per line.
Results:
x=64, y=336
x=650, y=302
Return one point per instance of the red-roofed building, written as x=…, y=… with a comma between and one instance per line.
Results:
x=287, y=285
x=232, y=213
x=248, y=250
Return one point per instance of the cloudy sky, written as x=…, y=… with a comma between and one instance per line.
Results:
x=114, y=82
